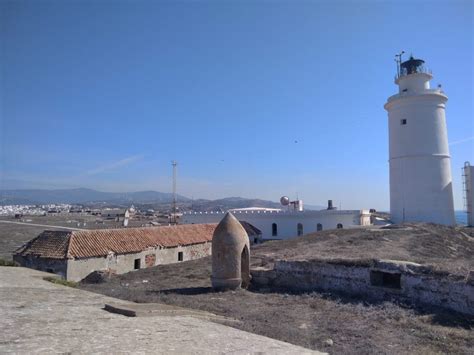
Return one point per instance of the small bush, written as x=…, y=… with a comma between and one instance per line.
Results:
x=4, y=262
x=59, y=281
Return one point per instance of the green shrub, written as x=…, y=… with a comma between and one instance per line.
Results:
x=59, y=281
x=4, y=262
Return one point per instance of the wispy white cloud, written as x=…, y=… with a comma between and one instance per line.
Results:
x=117, y=164
x=462, y=141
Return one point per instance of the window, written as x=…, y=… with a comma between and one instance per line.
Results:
x=403, y=121
x=339, y=226
x=180, y=256
x=136, y=264
x=274, y=230
x=319, y=227
x=299, y=229
x=385, y=279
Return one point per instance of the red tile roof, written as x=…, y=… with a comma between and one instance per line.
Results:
x=99, y=242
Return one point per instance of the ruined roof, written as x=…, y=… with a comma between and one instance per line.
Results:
x=50, y=244
x=250, y=229
x=99, y=242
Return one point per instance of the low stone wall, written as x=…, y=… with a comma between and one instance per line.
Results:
x=375, y=279
x=56, y=266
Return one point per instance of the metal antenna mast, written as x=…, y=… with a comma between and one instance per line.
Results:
x=398, y=60
x=173, y=213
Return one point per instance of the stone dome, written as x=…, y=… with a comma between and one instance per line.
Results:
x=230, y=255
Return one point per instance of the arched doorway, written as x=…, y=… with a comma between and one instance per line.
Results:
x=319, y=227
x=274, y=230
x=299, y=229
x=339, y=226
x=245, y=267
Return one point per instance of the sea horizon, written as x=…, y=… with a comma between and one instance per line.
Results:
x=461, y=217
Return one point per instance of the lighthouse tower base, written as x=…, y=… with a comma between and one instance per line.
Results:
x=421, y=190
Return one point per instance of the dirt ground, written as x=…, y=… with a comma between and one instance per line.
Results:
x=311, y=320
x=446, y=248
x=327, y=322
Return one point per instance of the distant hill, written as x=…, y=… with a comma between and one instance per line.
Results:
x=224, y=204
x=82, y=195
x=142, y=199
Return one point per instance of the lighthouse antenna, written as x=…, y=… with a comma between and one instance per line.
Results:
x=398, y=60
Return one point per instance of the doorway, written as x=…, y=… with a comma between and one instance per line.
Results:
x=245, y=267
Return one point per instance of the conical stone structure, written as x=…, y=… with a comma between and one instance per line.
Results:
x=230, y=255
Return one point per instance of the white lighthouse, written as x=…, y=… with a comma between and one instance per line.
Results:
x=420, y=165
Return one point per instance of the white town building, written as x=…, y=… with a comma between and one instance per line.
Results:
x=285, y=224
x=420, y=165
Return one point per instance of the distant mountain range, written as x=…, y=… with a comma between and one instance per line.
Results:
x=81, y=195
x=224, y=204
x=155, y=198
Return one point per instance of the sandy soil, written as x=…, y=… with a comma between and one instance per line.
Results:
x=317, y=320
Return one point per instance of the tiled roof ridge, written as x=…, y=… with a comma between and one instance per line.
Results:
x=142, y=228
x=98, y=242
x=68, y=251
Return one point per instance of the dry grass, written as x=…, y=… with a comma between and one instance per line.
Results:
x=7, y=263
x=306, y=319
x=59, y=281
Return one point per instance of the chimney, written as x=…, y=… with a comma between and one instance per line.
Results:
x=330, y=205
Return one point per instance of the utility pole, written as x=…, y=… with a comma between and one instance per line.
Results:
x=173, y=212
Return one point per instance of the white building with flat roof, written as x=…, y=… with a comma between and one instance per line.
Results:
x=283, y=224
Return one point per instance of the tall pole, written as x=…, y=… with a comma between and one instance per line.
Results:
x=398, y=59
x=173, y=215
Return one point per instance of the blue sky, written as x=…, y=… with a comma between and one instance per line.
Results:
x=253, y=99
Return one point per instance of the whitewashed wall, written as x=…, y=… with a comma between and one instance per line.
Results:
x=420, y=165
x=287, y=222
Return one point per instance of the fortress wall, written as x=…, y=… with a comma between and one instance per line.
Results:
x=374, y=279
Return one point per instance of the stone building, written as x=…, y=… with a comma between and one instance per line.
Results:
x=118, y=215
x=75, y=254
